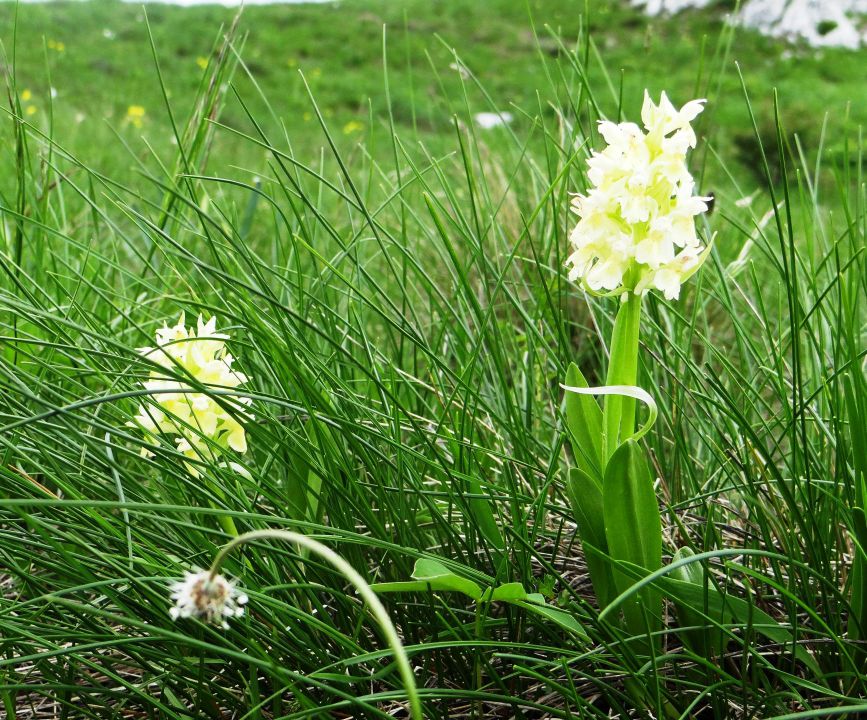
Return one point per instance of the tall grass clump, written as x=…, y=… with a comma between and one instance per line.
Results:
x=403, y=320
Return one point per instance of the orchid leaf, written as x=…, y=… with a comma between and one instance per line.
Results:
x=733, y=609
x=633, y=530
x=565, y=620
x=432, y=575
x=706, y=642
x=585, y=496
x=509, y=592
x=584, y=422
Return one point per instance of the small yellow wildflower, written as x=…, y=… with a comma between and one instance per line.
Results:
x=135, y=114
x=308, y=116
x=316, y=72
x=56, y=45
x=31, y=110
x=196, y=418
x=352, y=126
x=202, y=62
x=26, y=95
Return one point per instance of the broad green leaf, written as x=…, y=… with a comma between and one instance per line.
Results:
x=633, y=529
x=584, y=422
x=508, y=593
x=439, y=577
x=401, y=586
x=483, y=515
x=692, y=572
x=586, y=499
x=515, y=594
x=723, y=606
x=432, y=575
x=560, y=617
x=706, y=642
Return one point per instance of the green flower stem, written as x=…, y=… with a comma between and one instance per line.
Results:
x=369, y=597
x=619, y=412
x=227, y=523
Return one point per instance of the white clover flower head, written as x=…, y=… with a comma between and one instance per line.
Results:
x=215, y=599
x=197, y=420
x=636, y=228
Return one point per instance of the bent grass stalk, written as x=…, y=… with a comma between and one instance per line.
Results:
x=376, y=607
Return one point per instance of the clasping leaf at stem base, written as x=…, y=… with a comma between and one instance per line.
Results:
x=633, y=530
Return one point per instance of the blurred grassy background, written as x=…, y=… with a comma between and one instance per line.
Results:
x=96, y=57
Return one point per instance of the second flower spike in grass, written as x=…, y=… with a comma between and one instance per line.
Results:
x=202, y=425
x=637, y=223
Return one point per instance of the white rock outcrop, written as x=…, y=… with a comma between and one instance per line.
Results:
x=818, y=22
x=657, y=7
